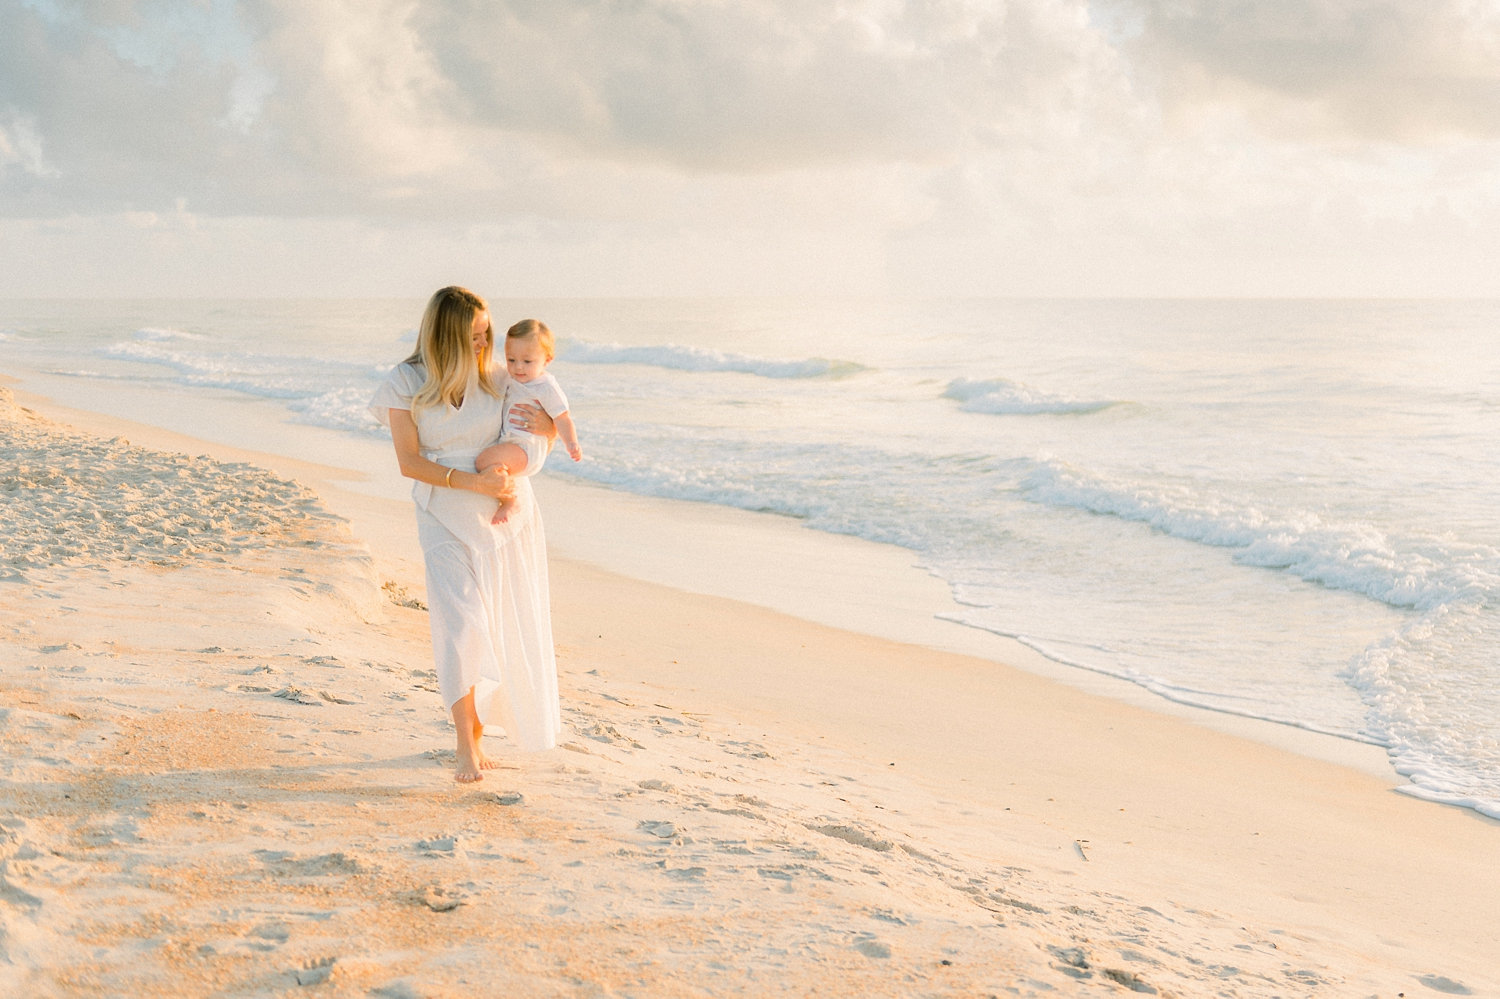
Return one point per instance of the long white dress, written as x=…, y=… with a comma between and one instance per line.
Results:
x=487, y=594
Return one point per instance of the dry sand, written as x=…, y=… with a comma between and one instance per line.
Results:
x=225, y=770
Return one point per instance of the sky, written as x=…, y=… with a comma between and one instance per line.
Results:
x=335, y=148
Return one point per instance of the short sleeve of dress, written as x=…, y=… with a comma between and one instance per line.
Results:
x=396, y=392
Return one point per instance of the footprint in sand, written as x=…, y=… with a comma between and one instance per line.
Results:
x=791, y=872
x=737, y=808
x=315, y=972
x=273, y=931
x=1130, y=980
x=109, y=830
x=397, y=990
x=668, y=725
x=1439, y=983
x=749, y=750
x=446, y=846
x=686, y=873
x=1075, y=961
x=601, y=732
x=887, y=916
x=440, y=898
x=12, y=894
x=858, y=837
x=299, y=696
x=284, y=864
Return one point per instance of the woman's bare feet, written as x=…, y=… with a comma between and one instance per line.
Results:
x=485, y=763
x=467, y=771
x=469, y=756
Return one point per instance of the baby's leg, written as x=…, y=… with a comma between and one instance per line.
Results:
x=513, y=458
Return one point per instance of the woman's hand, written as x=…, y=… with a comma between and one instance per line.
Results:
x=495, y=482
x=533, y=419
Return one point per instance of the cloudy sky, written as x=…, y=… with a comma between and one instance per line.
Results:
x=679, y=147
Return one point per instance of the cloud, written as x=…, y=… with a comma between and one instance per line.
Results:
x=979, y=146
x=20, y=146
x=744, y=87
x=116, y=129
x=1328, y=70
x=397, y=106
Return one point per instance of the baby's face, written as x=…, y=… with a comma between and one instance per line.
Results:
x=524, y=359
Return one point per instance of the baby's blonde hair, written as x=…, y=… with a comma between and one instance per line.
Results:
x=445, y=349
x=533, y=329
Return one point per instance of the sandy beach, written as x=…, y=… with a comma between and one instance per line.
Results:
x=226, y=771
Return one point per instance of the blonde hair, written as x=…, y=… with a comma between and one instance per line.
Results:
x=533, y=329
x=445, y=349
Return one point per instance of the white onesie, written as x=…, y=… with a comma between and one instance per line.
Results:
x=542, y=391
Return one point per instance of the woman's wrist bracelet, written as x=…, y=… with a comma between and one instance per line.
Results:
x=448, y=481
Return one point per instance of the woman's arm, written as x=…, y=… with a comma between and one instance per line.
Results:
x=491, y=482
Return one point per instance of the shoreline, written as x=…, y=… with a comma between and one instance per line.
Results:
x=839, y=809
x=844, y=582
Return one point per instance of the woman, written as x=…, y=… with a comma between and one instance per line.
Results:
x=487, y=595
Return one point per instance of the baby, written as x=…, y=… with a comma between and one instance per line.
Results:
x=528, y=351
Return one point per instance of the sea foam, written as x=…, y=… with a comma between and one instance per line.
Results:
x=266, y=377
x=684, y=358
x=152, y=334
x=1003, y=397
x=239, y=374
x=1423, y=691
x=1413, y=573
x=343, y=408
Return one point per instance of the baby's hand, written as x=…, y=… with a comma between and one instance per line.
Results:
x=574, y=451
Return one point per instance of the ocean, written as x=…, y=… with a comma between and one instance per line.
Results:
x=1279, y=509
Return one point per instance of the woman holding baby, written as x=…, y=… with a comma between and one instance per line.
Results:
x=487, y=590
